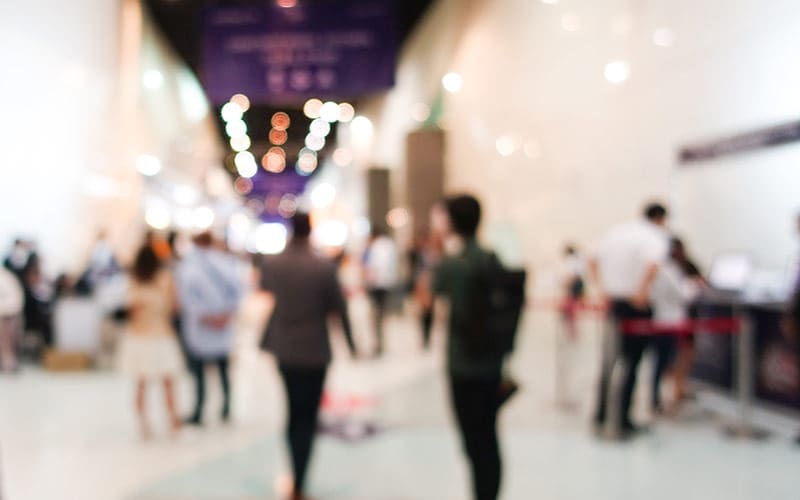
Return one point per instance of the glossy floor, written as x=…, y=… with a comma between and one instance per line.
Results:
x=73, y=436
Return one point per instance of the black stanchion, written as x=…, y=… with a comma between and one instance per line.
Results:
x=744, y=428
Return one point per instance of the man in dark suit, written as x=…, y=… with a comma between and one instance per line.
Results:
x=306, y=291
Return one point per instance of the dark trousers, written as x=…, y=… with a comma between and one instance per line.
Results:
x=304, y=393
x=664, y=347
x=427, y=326
x=197, y=368
x=379, y=298
x=631, y=348
x=475, y=401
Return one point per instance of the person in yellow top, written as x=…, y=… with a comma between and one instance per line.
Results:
x=150, y=349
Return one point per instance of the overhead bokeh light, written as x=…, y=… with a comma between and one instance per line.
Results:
x=235, y=128
x=287, y=206
x=270, y=238
x=185, y=195
x=452, y=82
x=398, y=217
x=246, y=164
x=361, y=126
x=231, y=111
x=184, y=218
x=274, y=160
x=203, y=218
x=342, y=156
x=329, y=112
x=506, y=145
x=314, y=142
x=278, y=137
x=240, y=143
x=157, y=216
x=312, y=108
x=255, y=206
x=331, y=233
x=323, y=195
x=420, y=112
x=243, y=185
x=148, y=165
x=307, y=162
x=617, y=72
x=320, y=128
x=280, y=121
x=346, y=112
x=272, y=203
x=152, y=79
x=242, y=101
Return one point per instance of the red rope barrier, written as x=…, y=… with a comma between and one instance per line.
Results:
x=722, y=326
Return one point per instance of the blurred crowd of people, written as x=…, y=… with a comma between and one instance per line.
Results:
x=180, y=307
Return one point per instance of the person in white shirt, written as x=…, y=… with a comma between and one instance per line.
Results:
x=624, y=268
x=573, y=285
x=12, y=300
x=675, y=287
x=381, y=264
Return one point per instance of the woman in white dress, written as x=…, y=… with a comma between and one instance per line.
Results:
x=150, y=349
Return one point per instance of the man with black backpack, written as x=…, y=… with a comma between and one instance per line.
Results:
x=485, y=303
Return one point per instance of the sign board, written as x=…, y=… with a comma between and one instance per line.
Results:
x=772, y=136
x=277, y=55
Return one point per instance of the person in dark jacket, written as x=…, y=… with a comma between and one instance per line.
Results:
x=306, y=291
x=474, y=371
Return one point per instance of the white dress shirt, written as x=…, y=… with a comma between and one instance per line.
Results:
x=382, y=264
x=625, y=254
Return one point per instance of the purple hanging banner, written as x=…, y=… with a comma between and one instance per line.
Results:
x=278, y=55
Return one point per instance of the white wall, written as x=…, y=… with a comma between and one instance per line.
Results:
x=58, y=61
x=605, y=149
x=75, y=116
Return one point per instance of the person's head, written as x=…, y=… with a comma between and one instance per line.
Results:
x=464, y=214
x=570, y=249
x=422, y=237
x=146, y=265
x=203, y=240
x=656, y=213
x=377, y=232
x=676, y=249
x=301, y=226
x=172, y=239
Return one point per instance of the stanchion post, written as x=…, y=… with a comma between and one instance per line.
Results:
x=559, y=361
x=743, y=361
x=612, y=367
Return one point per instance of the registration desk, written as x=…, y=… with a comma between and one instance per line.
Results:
x=761, y=364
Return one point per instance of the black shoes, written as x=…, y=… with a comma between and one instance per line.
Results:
x=193, y=421
x=630, y=430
